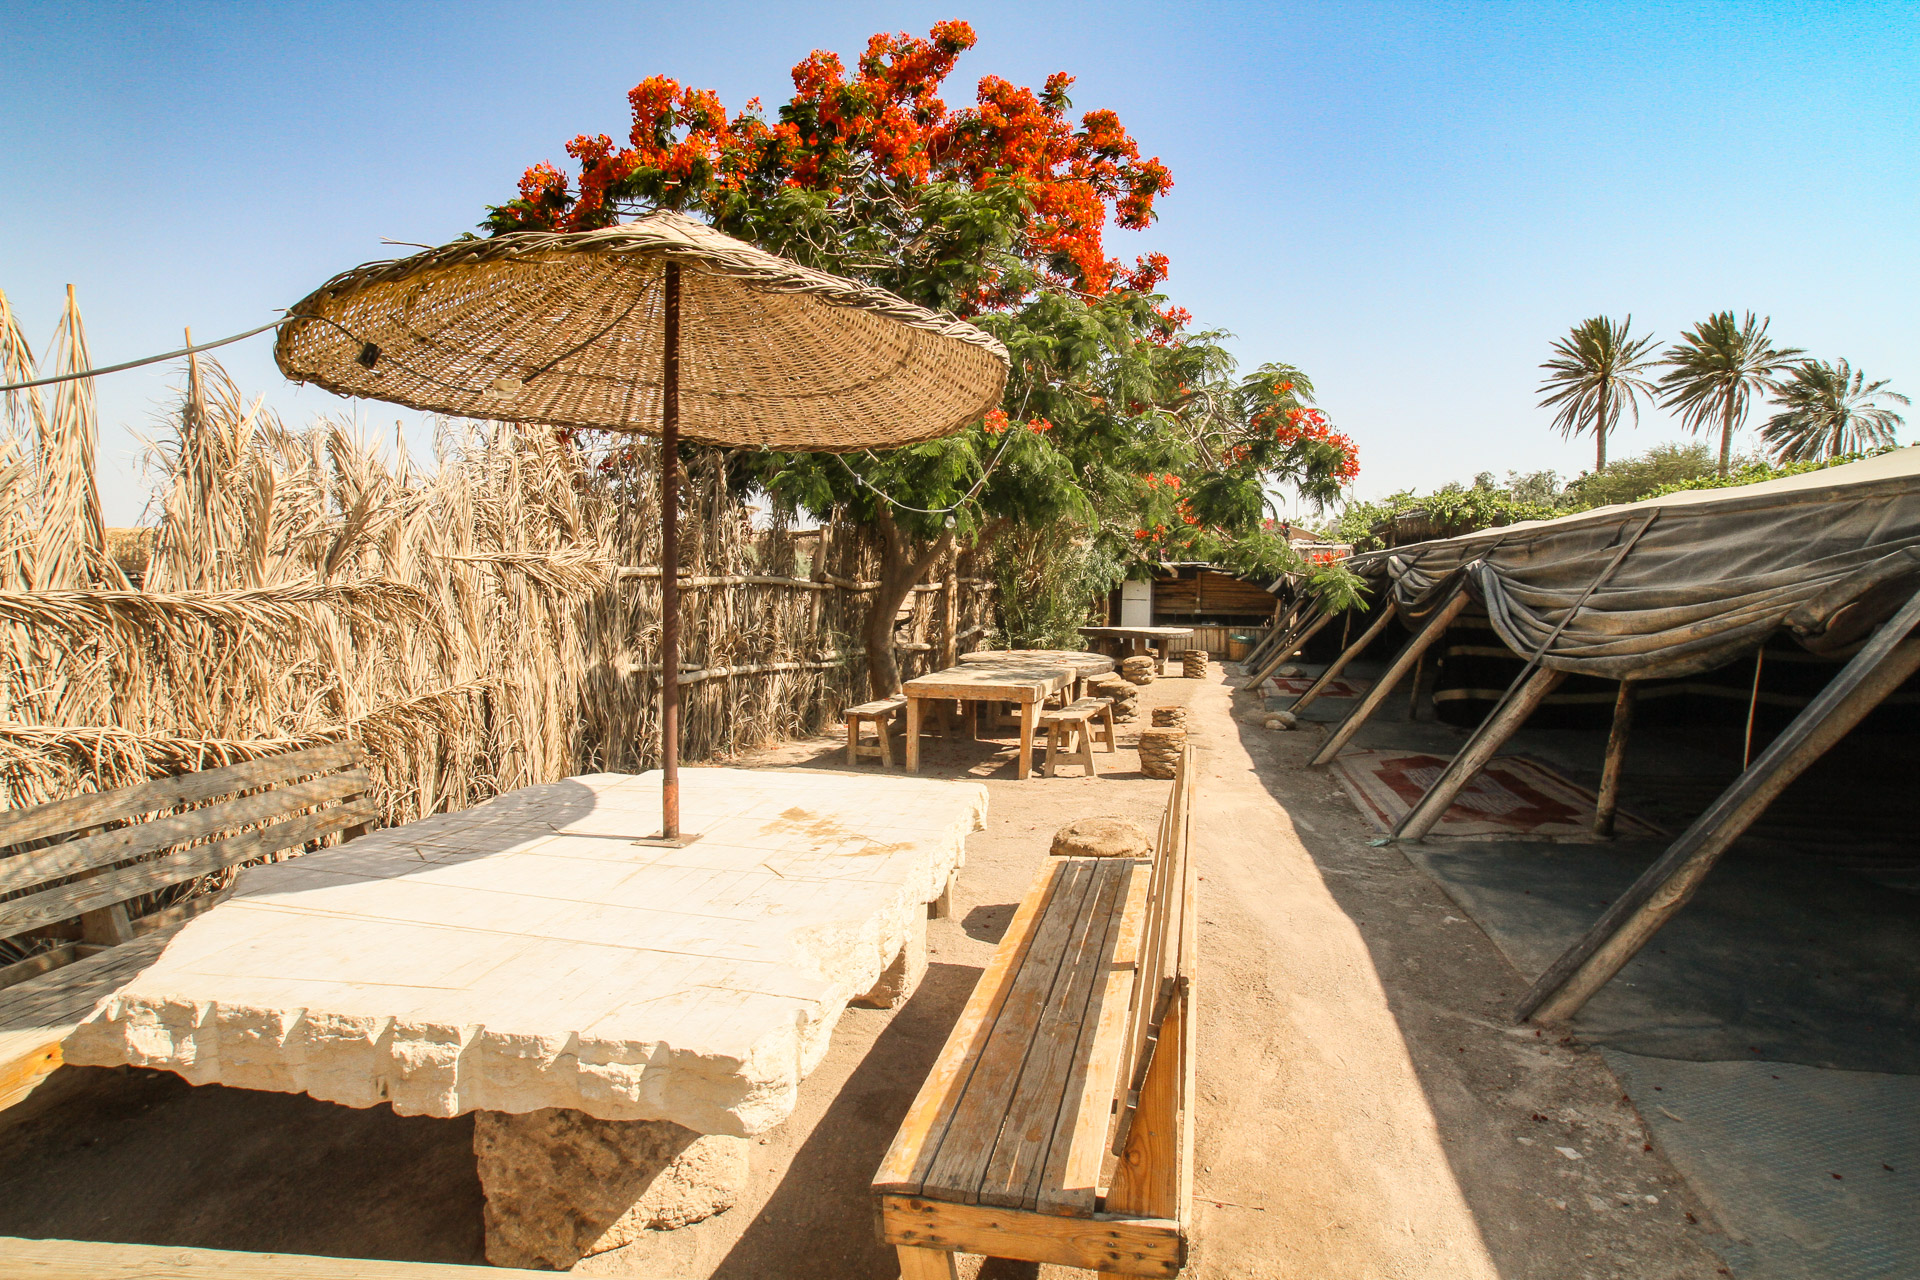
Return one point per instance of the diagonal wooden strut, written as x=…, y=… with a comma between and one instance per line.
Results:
x=1435, y=628
x=1521, y=699
x=1291, y=645
x=1880, y=667
x=1347, y=655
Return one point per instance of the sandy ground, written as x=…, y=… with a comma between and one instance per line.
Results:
x=1364, y=1109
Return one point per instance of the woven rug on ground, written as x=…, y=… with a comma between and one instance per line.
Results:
x=1512, y=796
x=1294, y=686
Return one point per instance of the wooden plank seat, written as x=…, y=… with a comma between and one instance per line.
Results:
x=1076, y=1046
x=1071, y=733
x=880, y=715
x=70, y=870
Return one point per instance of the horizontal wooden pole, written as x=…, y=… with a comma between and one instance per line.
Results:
x=1130, y=1246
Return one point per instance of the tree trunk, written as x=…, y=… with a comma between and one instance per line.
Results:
x=1600, y=435
x=901, y=565
x=1726, y=436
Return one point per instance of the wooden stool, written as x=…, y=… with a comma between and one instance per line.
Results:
x=1102, y=718
x=878, y=714
x=1061, y=726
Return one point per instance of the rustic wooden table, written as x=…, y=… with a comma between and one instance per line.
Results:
x=1027, y=683
x=1141, y=639
x=1084, y=662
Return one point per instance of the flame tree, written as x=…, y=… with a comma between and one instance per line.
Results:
x=1118, y=416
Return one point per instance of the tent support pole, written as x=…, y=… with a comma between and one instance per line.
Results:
x=1471, y=758
x=670, y=563
x=1294, y=644
x=1347, y=655
x=1435, y=628
x=1636, y=915
x=1607, y=804
x=1277, y=634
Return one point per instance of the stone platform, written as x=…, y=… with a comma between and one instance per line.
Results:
x=529, y=956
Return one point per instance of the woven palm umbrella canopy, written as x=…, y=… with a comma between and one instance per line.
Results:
x=663, y=326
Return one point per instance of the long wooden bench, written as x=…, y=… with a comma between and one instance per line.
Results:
x=1056, y=1124
x=70, y=870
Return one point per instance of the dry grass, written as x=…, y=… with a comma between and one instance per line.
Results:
x=469, y=621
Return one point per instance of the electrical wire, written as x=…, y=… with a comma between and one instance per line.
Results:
x=135, y=364
x=948, y=511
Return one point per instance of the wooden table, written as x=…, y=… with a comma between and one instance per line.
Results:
x=1141, y=639
x=1084, y=662
x=1027, y=683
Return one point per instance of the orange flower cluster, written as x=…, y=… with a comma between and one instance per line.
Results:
x=1300, y=423
x=1155, y=480
x=1040, y=425
x=1157, y=532
x=995, y=422
x=885, y=118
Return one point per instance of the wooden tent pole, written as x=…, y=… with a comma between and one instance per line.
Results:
x=1522, y=698
x=1435, y=628
x=1281, y=629
x=1607, y=804
x=1348, y=654
x=1480, y=748
x=1636, y=915
x=670, y=563
x=1294, y=644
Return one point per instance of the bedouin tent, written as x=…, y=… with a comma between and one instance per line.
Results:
x=1662, y=588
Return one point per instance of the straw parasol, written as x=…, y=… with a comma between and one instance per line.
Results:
x=662, y=326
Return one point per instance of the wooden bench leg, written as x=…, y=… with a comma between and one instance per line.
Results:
x=1106, y=720
x=917, y=1263
x=1085, y=756
x=886, y=741
x=853, y=741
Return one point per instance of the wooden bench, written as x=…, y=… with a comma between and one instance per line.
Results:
x=880, y=715
x=1071, y=733
x=1075, y=1047
x=71, y=869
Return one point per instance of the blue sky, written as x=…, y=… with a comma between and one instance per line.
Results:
x=1408, y=201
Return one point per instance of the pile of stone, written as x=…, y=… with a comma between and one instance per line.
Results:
x=1138, y=668
x=1193, y=664
x=1160, y=751
x=1124, y=695
x=1101, y=838
x=1169, y=717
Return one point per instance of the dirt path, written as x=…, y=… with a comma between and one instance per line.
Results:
x=1364, y=1111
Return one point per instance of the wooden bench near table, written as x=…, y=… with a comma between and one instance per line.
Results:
x=90, y=856
x=1077, y=1042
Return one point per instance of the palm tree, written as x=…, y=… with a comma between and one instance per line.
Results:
x=1714, y=370
x=1594, y=374
x=1830, y=409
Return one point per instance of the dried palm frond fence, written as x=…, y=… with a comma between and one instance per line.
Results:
x=483, y=624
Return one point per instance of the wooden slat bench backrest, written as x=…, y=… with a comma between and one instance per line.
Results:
x=1166, y=949
x=89, y=854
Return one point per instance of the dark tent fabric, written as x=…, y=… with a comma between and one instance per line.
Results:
x=1826, y=556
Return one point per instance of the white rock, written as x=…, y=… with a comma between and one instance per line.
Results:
x=527, y=953
x=1282, y=720
x=561, y=1185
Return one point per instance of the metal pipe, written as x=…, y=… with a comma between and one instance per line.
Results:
x=670, y=563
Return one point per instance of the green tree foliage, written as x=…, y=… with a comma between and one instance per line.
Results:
x=1830, y=409
x=1714, y=371
x=1595, y=372
x=1631, y=479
